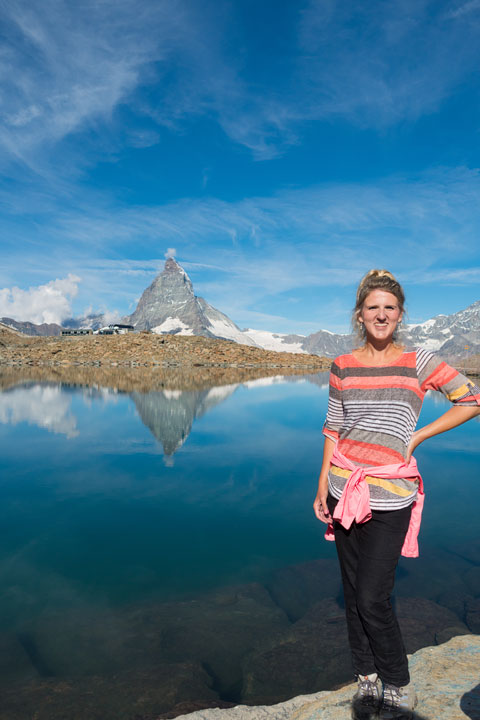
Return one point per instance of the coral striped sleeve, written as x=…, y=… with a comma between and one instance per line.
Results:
x=435, y=374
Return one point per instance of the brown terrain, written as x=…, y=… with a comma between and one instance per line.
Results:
x=143, y=360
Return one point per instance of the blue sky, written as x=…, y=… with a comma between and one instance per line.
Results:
x=280, y=149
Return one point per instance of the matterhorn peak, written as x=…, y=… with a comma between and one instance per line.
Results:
x=171, y=265
x=169, y=305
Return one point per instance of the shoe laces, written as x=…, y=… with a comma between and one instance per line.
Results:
x=367, y=688
x=392, y=695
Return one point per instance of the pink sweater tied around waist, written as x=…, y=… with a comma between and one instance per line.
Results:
x=354, y=503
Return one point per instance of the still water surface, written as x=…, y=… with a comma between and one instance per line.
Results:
x=112, y=500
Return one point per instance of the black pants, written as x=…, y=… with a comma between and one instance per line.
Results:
x=368, y=555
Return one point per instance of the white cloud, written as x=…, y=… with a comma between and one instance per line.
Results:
x=49, y=303
x=170, y=253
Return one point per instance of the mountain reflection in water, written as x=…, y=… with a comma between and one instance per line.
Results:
x=169, y=414
x=32, y=396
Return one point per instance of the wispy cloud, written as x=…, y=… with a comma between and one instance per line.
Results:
x=74, y=67
x=67, y=67
x=437, y=209
x=464, y=9
x=381, y=63
x=70, y=68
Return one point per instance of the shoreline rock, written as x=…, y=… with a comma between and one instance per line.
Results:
x=445, y=676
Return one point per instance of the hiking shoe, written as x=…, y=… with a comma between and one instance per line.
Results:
x=368, y=697
x=398, y=702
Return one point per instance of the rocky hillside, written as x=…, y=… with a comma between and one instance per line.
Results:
x=144, y=349
x=29, y=328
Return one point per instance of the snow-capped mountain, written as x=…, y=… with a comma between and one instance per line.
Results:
x=280, y=342
x=169, y=305
x=453, y=335
x=94, y=321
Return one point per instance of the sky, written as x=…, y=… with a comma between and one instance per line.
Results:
x=278, y=150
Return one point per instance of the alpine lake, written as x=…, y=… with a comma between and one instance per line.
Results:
x=160, y=554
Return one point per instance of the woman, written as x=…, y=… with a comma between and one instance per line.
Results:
x=369, y=486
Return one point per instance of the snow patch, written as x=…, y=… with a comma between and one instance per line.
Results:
x=173, y=324
x=222, y=329
x=432, y=344
x=274, y=341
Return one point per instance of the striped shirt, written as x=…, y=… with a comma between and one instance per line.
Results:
x=373, y=411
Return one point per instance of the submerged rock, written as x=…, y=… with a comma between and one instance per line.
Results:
x=126, y=696
x=213, y=631
x=311, y=655
x=455, y=601
x=297, y=587
x=231, y=645
x=425, y=623
x=473, y=614
x=472, y=579
x=15, y=660
x=432, y=574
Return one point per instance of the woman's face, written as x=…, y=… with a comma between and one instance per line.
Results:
x=380, y=314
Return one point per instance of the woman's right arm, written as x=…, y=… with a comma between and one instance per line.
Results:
x=320, y=507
